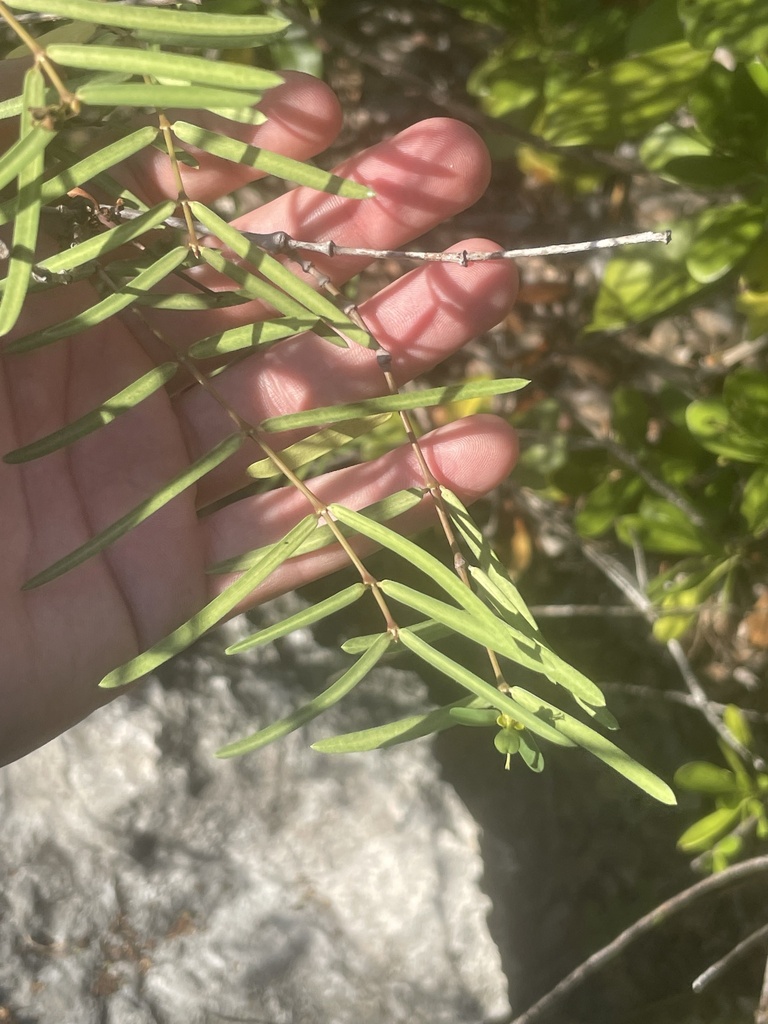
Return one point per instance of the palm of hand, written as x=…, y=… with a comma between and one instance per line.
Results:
x=59, y=640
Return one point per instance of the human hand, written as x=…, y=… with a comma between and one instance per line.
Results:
x=59, y=640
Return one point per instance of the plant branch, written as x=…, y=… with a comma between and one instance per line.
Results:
x=660, y=915
x=717, y=968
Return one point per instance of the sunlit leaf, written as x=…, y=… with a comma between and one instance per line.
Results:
x=310, y=449
x=221, y=30
x=583, y=736
x=723, y=237
x=282, y=277
x=315, y=707
x=623, y=100
x=707, y=830
x=480, y=688
x=23, y=153
x=250, y=336
x=402, y=731
x=738, y=25
x=736, y=722
x=392, y=403
x=213, y=612
x=109, y=410
x=427, y=630
x=150, y=94
x=387, y=508
x=27, y=209
x=703, y=777
x=475, y=718
x=270, y=163
x=661, y=526
x=112, y=304
x=481, y=624
x=163, y=64
x=108, y=240
x=139, y=513
x=306, y=617
x=754, y=501
x=87, y=168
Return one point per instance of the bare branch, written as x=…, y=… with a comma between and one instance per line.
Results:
x=649, y=922
x=717, y=968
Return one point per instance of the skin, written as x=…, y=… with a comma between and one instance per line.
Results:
x=58, y=641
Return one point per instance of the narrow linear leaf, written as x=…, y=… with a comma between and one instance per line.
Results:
x=27, y=209
x=251, y=286
x=109, y=410
x=11, y=107
x=234, y=30
x=305, y=452
x=480, y=688
x=503, y=637
x=111, y=239
x=402, y=731
x=315, y=707
x=583, y=736
x=150, y=94
x=87, y=168
x=302, y=619
x=394, y=403
x=213, y=612
x=474, y=718
x=164, y=65
x=268, y=162
x=250, y=336
x=490, y=572
x=282, y=277
x=387, y=508
x=138, y=514
x=112, y=304
x=22, y=152
x=188, y=301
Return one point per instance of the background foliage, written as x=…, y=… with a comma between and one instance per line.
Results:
x=645, y=430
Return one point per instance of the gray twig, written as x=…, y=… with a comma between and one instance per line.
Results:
x=717, y=968
x=650, y=921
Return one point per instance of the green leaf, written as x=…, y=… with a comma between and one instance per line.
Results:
x=707, y=830
x=393, y=403
x=625, y=99
x=282, y=277
x=754, y=502
x=27, y=209
x=253, y=287
x=250, y=336
x=268, y=162
x=738, y=25
x=489, y=572
x=302, y=619
x=109, y=410
x=24, y=152
x=310, y=449
x=213, y=612
x=710, y=421
x=387, y=508
x=661, y=526
x=703, y=777
x=583, y=736
x=646, y=283
x=481, y=624
x=112, y=304
x=480, y=688
x=530, y=753
x=474, y=717
x=427, y=630
x=150, y=94
x=389, y=735
x=315, y=707
x=723, y=236
x=139, y=513
x=215, y=30
x=87, y=168
x=736, y=722
x=163, y=64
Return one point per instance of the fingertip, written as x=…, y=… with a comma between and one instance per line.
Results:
x=473, y=455
x=302, y=112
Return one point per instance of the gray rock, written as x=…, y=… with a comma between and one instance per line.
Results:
x=144, y=880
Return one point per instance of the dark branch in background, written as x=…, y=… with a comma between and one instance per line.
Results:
x=660, y=915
